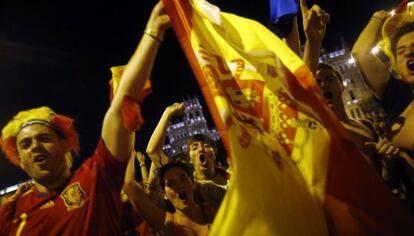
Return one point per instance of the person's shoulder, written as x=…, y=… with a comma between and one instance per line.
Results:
x=101, y=153
x=18, y=201
x=222, y=172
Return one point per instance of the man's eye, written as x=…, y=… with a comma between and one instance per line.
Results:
x=25, y=144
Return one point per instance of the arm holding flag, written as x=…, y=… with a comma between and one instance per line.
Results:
x=116, y=136
x=284, y=23
x=292, y=39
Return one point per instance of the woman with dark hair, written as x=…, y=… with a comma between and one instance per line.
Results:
x=183, y=214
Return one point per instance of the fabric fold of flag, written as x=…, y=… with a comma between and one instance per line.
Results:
x=295, y=171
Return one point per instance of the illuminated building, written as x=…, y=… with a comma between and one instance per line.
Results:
x=181, y=128
x=357, y=96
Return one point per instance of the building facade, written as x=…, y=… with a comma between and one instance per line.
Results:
x=182, y=128
x=357, y=96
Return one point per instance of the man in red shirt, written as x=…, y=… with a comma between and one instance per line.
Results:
x=86, y=201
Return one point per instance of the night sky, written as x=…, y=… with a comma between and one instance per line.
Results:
x=58, y=53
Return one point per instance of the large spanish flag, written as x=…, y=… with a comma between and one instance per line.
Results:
x=295, y=172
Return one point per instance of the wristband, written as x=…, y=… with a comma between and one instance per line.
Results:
x=153, y=34
x=378, y=18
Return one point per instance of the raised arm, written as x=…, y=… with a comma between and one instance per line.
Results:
x=314, y=26
x=156, y=142
x=116, y=137
x=144, y=172
x=375, y=72
x=152, y=177
x=154, y=215
x=292, y=39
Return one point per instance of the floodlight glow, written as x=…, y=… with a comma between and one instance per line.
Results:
x=375, y=50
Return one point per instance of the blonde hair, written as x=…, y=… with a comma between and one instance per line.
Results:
x=63, y=126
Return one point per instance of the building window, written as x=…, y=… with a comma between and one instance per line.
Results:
x=352, y=95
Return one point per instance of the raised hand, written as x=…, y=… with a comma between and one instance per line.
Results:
x=158, y=22
x=389, y=153
x=175, y=109
x=140, y=157
x=315, y=20
x=380, y=15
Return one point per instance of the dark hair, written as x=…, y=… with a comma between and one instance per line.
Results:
x=180, y=157
x=163, y=170
x=166, y=204
x=401, y=31
x=337, y=74
x=201, y=138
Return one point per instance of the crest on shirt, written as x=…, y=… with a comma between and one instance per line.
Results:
x=74, y=196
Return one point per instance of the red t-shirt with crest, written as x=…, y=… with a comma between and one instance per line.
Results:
x=89, y=204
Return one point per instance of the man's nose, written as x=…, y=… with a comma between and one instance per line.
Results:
x=36, y=145
x=320, y=82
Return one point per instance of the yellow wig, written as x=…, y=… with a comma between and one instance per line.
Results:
x=63, y=125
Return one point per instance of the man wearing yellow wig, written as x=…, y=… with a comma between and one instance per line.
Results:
x=394, y=34
x=41, y=142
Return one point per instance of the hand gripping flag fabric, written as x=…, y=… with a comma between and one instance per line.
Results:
x=295, y=171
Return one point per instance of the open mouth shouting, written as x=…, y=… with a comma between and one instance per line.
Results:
x=410, y=65
x=40, y=159
x=183, y=196
x=327, y=94
x=203, y=159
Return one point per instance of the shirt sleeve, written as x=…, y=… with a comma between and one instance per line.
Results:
x=110, y=170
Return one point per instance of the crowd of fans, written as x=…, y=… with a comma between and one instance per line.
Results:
x=180, y=194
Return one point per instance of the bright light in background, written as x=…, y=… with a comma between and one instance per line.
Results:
x=351, y=60
x=12, y=188
x=346, y=82
x=8, y=189
x=375, y=50
x=392, y=12
x=410, y=4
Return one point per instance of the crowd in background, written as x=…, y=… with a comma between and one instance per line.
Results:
x=180, y=194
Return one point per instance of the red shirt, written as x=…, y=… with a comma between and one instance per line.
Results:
x=89, y=204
